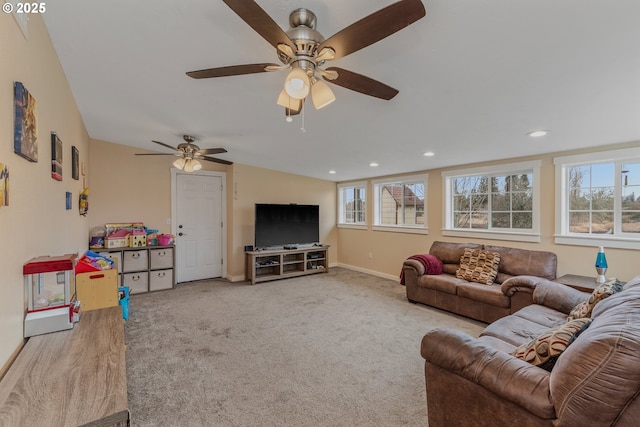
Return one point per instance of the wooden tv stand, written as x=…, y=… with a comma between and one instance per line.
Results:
x=265, y=265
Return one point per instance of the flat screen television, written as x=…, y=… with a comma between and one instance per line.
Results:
x=284, y=226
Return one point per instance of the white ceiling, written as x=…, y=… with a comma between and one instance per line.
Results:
x=474, y=77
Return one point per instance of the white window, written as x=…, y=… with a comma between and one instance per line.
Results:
x=599, y=199
x=499, y=202
x=352, y=199
x=399, y=204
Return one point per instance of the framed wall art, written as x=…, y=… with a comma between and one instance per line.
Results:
x=25, y=135
x=4, y=185
x=75, y=163
x=56, y=157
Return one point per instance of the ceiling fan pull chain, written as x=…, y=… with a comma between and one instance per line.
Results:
x=302, y=126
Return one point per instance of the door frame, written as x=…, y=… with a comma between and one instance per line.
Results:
x=223, y=202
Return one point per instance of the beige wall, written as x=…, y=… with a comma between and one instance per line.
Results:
x=249, y=185
x=126, y=188
x=36, y=222
x=382, y=252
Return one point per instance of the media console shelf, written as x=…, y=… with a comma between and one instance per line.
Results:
x=283, y=263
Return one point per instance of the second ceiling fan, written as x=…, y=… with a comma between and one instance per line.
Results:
x=304, y=51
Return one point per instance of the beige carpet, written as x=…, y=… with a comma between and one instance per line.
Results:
x=335, y=349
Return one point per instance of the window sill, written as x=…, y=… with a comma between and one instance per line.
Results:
x=494, y=235
x=354, y=226
x=595, y=241
x=397, y=229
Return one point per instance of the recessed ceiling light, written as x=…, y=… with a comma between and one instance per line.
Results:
x=537, y=133
x=373, y=164
x=429, y=154
x=332, y=171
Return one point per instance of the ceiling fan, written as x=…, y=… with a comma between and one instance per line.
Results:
x=190, y=154
x=304, y=51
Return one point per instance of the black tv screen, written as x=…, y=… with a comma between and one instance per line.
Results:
x=278, y=225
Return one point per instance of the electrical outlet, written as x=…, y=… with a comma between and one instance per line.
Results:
x=168, y=221
x=370, y=255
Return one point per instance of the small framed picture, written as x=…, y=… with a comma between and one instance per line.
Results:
x=56, y=157
x=75, y=163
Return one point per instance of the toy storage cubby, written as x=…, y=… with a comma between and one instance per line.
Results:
x=144, y=269
x=265, y=265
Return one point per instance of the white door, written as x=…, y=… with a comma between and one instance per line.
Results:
x=198, y=224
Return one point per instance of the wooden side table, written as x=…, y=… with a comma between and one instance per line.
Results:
x=581, y=283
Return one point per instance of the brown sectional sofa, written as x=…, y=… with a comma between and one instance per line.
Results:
x=486, y=303
x=594, y=382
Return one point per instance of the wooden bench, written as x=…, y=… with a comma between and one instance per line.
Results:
x=70, y=378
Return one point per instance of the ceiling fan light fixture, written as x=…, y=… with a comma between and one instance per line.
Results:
x=286, y=101
x=297, y=84
x=192, y=165
x=179, y=163
x=321, y=94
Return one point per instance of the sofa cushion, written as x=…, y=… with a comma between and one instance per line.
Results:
x=489, y=294
x=544, y=350
x=525, y=262
x=601, y=292
x=515, y=330
x=478, y=265
x=442, y=282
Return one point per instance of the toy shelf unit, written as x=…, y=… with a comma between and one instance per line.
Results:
x=265, y=265
x=50, y=286
x=144, y=269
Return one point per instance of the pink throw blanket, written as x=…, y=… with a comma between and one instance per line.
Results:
x=432, y=265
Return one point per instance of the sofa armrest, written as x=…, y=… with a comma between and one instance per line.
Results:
x=545, y=292
x=500, y=373
x=520, y=284
x=416, y=265
x=558, y=296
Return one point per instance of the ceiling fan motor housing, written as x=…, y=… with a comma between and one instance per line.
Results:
x=303, y=32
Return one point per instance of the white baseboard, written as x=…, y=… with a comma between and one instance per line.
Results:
x=372, y=272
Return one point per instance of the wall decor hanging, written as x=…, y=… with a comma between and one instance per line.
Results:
x=25, y=136
x=84, y=202
x=56, y=157
x=4, y=185
x=75, y=163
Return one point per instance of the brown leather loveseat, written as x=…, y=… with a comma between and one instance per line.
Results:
x=595, y=381
x=478, y=301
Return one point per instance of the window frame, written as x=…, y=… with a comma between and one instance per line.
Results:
x=399, y=228
x=520, y=235
x=342, y=208
x=562, y=234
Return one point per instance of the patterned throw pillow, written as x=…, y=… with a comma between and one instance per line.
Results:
x=601, y=292
x=545, y=350
x=478, y=265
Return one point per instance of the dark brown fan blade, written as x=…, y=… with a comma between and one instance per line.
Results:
x=232, y=70
x=374, y=27
x=363, y=84
x=211, y=151
x=213, y=159
x=291, y=112
x=166, y=145
x=156, y=154
x=260, y=21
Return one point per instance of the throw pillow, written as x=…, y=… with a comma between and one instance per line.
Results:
x=601, y=292
x=478, y=265
x=546, y=348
